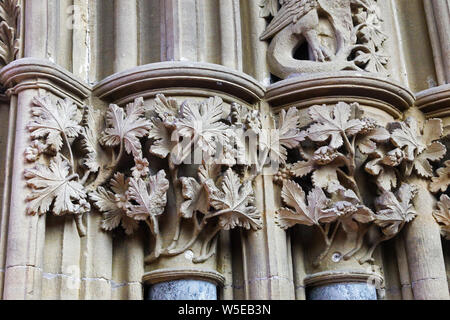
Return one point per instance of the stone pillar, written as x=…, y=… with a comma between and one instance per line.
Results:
x=424, y=251
x=182, y=261
x=422, y=237
x=125, y=34
x=346, y=267
x=438, y=19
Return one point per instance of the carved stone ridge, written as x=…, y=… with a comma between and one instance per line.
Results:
x=166, y=77
x=364, y=88
x=329, y=277
x=434, y=102
x=168, y=274
x=32, y=73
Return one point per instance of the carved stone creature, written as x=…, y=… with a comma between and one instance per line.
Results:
x=298, y=21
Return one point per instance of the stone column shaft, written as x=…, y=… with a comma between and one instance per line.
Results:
x=424, y=251
x=125, y=34
x=438, y=19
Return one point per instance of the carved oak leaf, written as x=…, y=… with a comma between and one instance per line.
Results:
x=147, y=199
x=393, y=211
x=368, y=143
x=202, y=123
x=285, y=136
x=442, y=181
x=113, y=205
x=162, y=144
x=127, y=127
x=307, y=214
x=53, y=185
x=234, y=203
x=53, y=121
x=167, y=109
x=196, y=198
x=409, y=137
x=371, y=61
x=442, y=215
x=434, y=152
x=333, y=123
x=91, y=136
x=381, y=165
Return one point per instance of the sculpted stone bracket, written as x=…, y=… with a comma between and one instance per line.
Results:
x=341, y=150
x=340, y=35
x=218, y=196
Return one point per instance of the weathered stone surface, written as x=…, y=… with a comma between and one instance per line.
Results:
x=183, y=290
x=343, y=291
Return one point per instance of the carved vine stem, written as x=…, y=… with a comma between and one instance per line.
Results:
x=173, y=172
x=104, y=175
x=328, y=241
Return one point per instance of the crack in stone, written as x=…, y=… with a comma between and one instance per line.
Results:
x=270, y=278
x=50, y=276
x=426, y=279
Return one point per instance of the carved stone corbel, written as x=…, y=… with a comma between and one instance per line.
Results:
x=335, y=146
x=344, y=154
x=340, y=35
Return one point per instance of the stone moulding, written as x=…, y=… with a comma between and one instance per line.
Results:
x=329, y=277
x=148, y=80
x=305, y=90
x=169, y=274
x=31, y=73
x=434, y=102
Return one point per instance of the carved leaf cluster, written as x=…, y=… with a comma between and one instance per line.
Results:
x=233, y=202
x=114, y=204
x=309, y=213
x=10, y=12
x=394, y=210
x=126, y=127
x=329, y=151
x=54, y=121
x=442, y=180
x=54, y=188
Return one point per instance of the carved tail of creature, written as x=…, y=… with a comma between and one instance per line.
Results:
x=297, y=22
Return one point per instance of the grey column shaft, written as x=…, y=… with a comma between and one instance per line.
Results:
x=343, y=291
x=183, y=290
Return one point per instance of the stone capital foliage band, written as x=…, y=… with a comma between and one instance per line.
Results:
x=337, y=145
